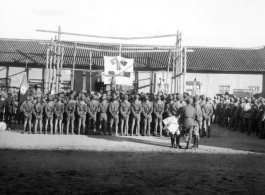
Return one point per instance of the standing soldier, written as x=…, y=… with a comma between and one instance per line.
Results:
x=198, y=120
x=136, y=110
x=38, y=112
x=103, y=117
x=158, y=112
x=70, y=112
x=114, y=107
x=147, y=115
x=246, y=115
x=253, y=122
x=2, y=107
x=188, y=119
x=237, y=115
x=9, y=105
x=260, y=118
x=27, y=109
x=125, y=110
x=59, y=111
x=92, y=109
x=233, y=114
x=49, y=111
x=170, y=101
x=81, y=111
x=207, y=111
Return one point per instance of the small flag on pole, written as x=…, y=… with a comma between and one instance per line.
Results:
x=24, y=84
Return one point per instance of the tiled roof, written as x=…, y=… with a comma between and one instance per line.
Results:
x=226, y=59
x=203, y=58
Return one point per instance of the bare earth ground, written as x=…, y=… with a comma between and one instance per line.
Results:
x=227, y=163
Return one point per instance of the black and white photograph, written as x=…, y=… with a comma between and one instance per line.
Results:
x=148, y=97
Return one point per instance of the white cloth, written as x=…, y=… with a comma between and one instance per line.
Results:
x=172, y=125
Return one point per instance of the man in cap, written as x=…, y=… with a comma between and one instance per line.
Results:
x=38, y=112
x=158, y=112
x=170, y=101
x=114, y=108
x=82, y=111
x=233, y=113
x=207, y=111
x=27, y=109
x=125, y=110
x=92, y=109
x=147, y=115
x=59, y=110
x=260, y=118
x=9, y=105
x=70, y=113
x=252, y=119
x=49, y=111
x=188, y=120
x=103, y=117
x=176, y=106
x=136, y=109
x=198, y=120
x=246, y=115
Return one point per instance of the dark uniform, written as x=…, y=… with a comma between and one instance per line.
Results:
x=38, y=112
x=82, y=111
x=70, y=113
x=136, y=109
x=92, y=109
x=103, y=117
x=207, y=111
x=59, y=111
x=147, y=116
x=49, y=111
x=125, y=110
x=253, y=122
x=158, y=113
x=27, y=109
x=9, y=104
x=114, y=108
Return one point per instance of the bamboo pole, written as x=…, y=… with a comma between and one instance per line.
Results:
x=184, y=68
x=106, y=37
x=50, y=67
x=114, y=51
x=59, y=33
x=53, y=70
x=169, y=58
x=61, y=66
x=173, y=73
x=180, y=65
x=73, y=71
x=47, y=69
x=58, y=69
x=90, y=74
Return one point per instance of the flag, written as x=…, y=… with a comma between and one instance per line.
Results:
x=119, y=67
x=24, y=84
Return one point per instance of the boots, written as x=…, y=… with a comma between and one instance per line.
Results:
x=172, y=142
x=177, y=141
x=209, y=131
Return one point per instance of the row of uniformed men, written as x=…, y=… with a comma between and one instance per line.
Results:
x=246, y=113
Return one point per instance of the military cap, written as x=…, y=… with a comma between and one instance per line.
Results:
x=104, y=96
x=189, y=100
x=203, y=97
x=179, y=97
x=170, y=97
x=196, y=98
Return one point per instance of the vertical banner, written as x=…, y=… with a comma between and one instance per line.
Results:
x=24, y=84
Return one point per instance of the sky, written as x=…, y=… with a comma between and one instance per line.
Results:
x=213, y=23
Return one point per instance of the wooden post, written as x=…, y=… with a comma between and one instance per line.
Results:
x=73, y=71
x=90, y=75
x=53, y=70
x=180, y=65
x=151, y=82
x=169, y=58
x=50, y=67
x=173, y=73
x=58, y=69
x=184, y=68
x=7, y=73
x=176, y=68
x=46, y=69
x=59, y=33
x=84, y=80
x=61, y=66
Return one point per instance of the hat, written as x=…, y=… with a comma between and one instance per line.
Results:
x=208, y=99
x=196, y=98
x=104, y=96
x=179, y=97
x=203, y=97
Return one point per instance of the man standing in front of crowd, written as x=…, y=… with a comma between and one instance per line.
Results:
x=125, y=110
x=188, y=120
x=136, y=109
x=207, y=111
x=114, y=107
x=147, y=115
x=158, y=113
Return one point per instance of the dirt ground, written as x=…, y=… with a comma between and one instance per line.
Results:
x=227, y=163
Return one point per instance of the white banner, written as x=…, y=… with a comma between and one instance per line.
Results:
x=121, y=68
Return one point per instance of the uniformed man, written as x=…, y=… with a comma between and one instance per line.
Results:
x=188, y=120
x=147, y=108
x=103, y=117
x=158, y=114
x=198, y=121
x=207, y=111
x=246, y=115
x=260, y=119
x=70, y=114
x=59, y=111
x=114, y=107
x=125, y=110
x=27, y=109
x=233, y=114
x=9, y=105
x=253, y=122
x=2, y=107
x=82, y=111
x=136, y=109
x=49, y=112
x=92, y=109
x=38, y=112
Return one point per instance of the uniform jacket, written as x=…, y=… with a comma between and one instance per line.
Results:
x=147, y=110
x=49, y=109
x=92, y=108
x=9, y=104
x=175, y=108
x=158, y=109
x=103, y=106
x=114, y=107
x=207, y=110
x=58, y=108
x=254, y=111
x=125, y=109
x=70, y=107
x=27, y=108
x=38, y=109
x=188, y=116
x=81, y=108
x=136, y=107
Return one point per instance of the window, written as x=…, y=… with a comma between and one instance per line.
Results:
x=190, y=86
x=224, y=89
x=254, y=89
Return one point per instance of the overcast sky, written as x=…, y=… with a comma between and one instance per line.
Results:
x=220, y=23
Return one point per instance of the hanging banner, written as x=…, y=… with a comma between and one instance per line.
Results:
x=24, y=84
x=118, y=70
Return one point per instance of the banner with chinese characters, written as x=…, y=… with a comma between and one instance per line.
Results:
x=118, y=70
